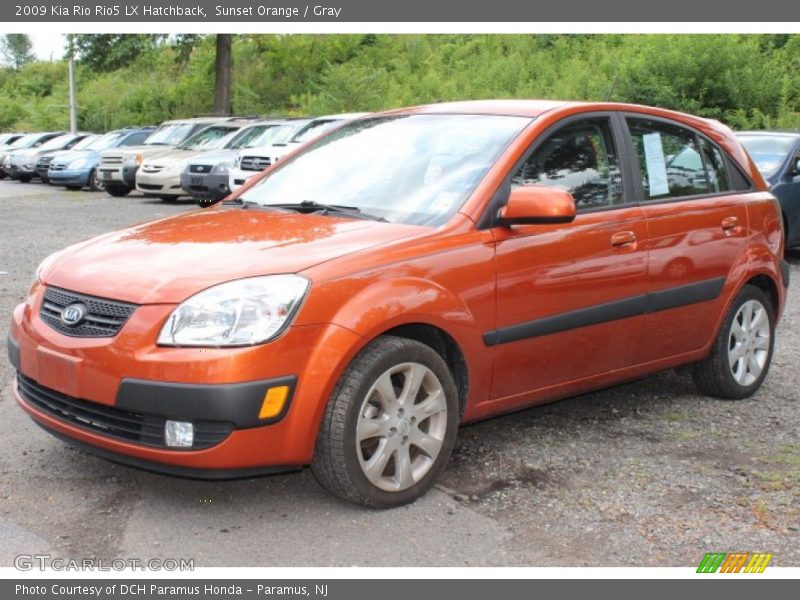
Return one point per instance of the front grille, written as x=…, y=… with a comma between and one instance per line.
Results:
x=150, y=186
x=200, y=168
x=58, y=166
x=152, y=169
x=110, y=421
x=104, y=317
x=198, y=188
x=44, y=162
x=112, y=160
x=254, y=163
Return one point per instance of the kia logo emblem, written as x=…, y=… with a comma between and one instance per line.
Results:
x=74, y=313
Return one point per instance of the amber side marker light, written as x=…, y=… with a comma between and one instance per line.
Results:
x=273, y=403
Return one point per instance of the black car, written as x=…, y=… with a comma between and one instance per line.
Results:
x=777, y=156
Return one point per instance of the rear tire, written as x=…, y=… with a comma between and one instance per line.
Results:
x=390, y=425
x=117, y=191
x=742, y=352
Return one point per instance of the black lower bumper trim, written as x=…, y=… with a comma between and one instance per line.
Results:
x=166, y=469
x=237, y=403
x=13, y=352
x=785, y=273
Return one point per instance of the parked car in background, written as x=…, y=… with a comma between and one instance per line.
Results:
x=118, y=167
x=22, y=163
x=26, y=142
x=6, y=139
x=252, y=161
x=404, y=274
x=160, y=174
x=777, y=156
x=205, y=176
x=44, y=159
x=78, y=168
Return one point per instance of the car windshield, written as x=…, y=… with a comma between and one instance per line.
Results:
x=170, y=134
x=314, y=129
x=85, y=142
x=414, y=169
x=105, y=141
x=26, y=141
x=768, y=152
x=209, y=138
x=258, y=135
x=57, y=142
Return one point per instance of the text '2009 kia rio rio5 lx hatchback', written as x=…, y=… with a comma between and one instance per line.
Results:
x=403, y=274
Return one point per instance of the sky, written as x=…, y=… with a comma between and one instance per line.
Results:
x=47, y=45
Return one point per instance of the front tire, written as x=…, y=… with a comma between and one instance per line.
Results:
x=117, y=191
x=390, y=425
x=741, y=355
x=95, y=183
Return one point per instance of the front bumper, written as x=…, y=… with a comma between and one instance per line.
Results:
x=238, y=177
x=205, y=185
x=69, y=177
x=129, y=374
x=17, y=172
x=159, y=184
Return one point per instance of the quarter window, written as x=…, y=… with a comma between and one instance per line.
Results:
x=580, y=158
x=717, y=170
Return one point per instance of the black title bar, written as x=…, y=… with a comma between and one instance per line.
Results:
x=364, y=11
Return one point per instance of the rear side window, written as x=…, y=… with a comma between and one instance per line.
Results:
x=717, y=169
x=582, y=159
x=675, y=162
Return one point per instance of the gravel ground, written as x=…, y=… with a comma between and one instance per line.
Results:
x=643, y=474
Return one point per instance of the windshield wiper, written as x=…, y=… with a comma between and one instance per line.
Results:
x=311, y=206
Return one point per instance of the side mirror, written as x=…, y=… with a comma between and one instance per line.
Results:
x=531, y=205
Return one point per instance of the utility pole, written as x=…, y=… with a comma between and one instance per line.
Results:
x=73, y=107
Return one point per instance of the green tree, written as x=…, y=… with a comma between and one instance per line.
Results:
x=16, y=50
x=108, y=52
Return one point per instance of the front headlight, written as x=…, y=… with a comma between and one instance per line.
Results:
x=238, y=313
x=224, y=167
x=133, y=160
x=78, y=164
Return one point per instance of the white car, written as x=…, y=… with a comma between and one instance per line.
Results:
x=251, y=161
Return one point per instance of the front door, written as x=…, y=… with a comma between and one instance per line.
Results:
x=569, y=296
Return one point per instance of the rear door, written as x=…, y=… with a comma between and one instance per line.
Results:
x=697, y=229
x=569, y=295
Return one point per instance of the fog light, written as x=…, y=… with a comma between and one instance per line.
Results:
x=273, y=403
x=178, y=434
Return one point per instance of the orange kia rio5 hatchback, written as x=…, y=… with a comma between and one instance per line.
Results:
x=404, y=274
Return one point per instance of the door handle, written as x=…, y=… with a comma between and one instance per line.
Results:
x=730, y=223
x=623, y=239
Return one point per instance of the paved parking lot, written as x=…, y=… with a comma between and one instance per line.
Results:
x=644, y=474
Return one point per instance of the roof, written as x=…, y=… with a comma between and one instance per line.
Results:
x=521, y=108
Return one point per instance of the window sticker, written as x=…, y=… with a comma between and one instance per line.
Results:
x=656, y=165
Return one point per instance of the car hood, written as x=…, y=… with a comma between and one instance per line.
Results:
x=213, y=157
x=145, y=151
x=67, y=156
x=167, y=261
x=176, y=155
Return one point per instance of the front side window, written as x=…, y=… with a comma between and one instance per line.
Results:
x=673, y=162
x=582, y=159
x=414, y=169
